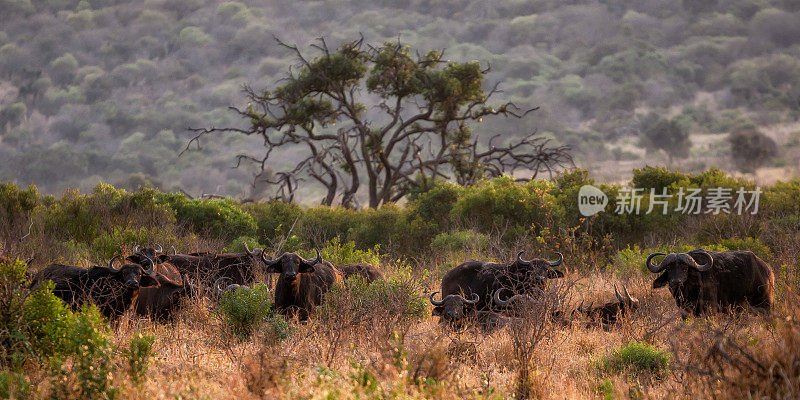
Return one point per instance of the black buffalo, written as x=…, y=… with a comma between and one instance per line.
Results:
x=484, y=278
x=239, y=267
x=608, y=313
x=160, y=302
x=703, y=281
x=113, y=290
x=302, y=283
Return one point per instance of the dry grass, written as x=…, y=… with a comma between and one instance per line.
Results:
x=196, y=359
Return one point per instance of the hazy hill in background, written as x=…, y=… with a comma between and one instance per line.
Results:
x=104, y=90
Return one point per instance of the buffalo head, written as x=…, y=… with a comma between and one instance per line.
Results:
x=676, y=267
x=291, y=264
x=538, y=270
x=518, y=300
x=453, y=307
x=131, y=276
x=147, y=255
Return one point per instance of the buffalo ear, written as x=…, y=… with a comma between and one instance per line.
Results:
x=554, y=273
x=306, y=269
x=148, y=281
x=437, y=311
x=164, y=258
x=136, y=259
x=661, y=281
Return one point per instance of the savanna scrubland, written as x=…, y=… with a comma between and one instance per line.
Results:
x=379, y=340
x=104, y=91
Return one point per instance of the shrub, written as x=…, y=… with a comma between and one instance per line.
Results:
x=219, y=218
x=668, y=136
x=391, y=304
x=751, y=149
x=635, y=357
x=656, y=177
x=459, y=240
x=243, y=310
x=139, y=353
x=340, y=253
x=14, y=385
x=89, y=375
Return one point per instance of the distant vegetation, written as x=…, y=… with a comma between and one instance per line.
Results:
x=102, y=89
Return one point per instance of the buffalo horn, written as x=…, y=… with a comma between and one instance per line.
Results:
x=707, y=265
x=268, y=262
x=497, y=300
x=628, y=295
x=434, y=302
x=160, y=249
x=111, y=263
x=474, y=300
x=520, y=260
x=218, y=283
x=619, y=296
x=653, y=268
x=557, y=263
x=251, y=253
x=316, y=259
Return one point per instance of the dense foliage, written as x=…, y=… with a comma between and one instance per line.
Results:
x=106, y=89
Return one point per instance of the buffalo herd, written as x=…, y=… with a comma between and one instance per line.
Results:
x=154, y=284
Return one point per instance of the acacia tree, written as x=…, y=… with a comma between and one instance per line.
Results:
x=417, y=133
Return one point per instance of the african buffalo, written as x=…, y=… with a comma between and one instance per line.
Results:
x=726, y=279
x=111, y=289
x=160, y=302
x=608, y=313
x=239, y=267
x=484, y=278
x=302, y=283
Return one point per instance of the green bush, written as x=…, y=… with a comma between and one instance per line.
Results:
x=14, y=385
x=340, y=253
x=243, y=310
x=635, y=358
x=138, y=355
x=460, y=240
x=219, y=218
x=491, y=206
x=275, y=219
x=91, y=351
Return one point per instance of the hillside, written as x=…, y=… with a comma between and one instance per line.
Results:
x=104, y=90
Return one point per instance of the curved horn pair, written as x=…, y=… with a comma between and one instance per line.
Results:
x=268, y=263
x=666, y=261
x=551, y=263
x=474, y=300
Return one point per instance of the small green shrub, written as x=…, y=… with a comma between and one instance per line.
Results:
x=14, y=385
x=91, y=351
x=138, y=355
x=635, y=357
x=243, y=310
x=340, y=253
